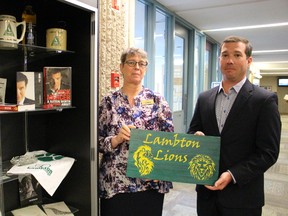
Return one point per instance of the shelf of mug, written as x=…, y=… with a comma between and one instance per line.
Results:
x=31, y=49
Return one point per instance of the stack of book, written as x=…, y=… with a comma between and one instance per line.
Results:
x=50, y=88
x=16, y=107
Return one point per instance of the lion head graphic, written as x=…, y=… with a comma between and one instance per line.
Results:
x=142, y=157
x=202, y=167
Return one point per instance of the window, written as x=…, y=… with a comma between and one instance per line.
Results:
x=140, y=27
x=160, y=52
x=197, y=63
x=178, y=73
x=207, y=65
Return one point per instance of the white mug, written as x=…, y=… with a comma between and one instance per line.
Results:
x=8, y=31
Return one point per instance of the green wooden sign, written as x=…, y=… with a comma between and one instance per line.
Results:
x=175, y=157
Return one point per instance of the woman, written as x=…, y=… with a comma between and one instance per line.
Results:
x=133, y=106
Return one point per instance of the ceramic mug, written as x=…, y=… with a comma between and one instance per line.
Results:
x=8, y=31
x=56, y=38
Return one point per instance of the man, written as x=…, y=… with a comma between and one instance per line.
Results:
x=22, y=83
x=56, y=82
x=247, y=119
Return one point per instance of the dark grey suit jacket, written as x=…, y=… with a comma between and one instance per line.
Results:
x=249, y=142
x=28, y=101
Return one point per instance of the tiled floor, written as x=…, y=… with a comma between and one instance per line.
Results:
x=181, y=201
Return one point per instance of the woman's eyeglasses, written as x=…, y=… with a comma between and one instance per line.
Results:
x=133, y=63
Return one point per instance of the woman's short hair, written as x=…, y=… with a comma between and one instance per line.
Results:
x=132, y=52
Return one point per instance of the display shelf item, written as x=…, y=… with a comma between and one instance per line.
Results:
x=1, y=187
x=46, y=201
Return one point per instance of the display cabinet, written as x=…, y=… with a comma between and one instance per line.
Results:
x=69, y=131
x=1, y=187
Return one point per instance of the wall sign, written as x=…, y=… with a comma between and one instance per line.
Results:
x=175, y=157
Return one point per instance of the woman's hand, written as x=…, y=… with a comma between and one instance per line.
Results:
x=122, y=136
x=199, y=133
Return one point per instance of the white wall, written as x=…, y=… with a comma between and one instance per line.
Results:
x=271, y=81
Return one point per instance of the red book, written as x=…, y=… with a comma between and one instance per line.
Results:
x=15, y=107
x=58, y=86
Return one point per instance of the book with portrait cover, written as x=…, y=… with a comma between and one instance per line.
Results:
x=30, y=88
x=3, y=83
x=30, y=191
x=58, y=86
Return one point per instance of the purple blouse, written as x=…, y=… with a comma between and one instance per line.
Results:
x=150, y=112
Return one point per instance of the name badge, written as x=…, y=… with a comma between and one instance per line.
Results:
x=147, y=102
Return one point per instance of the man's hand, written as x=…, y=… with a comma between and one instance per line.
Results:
x=221, y=183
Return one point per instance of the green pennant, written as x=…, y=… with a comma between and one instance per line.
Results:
x=174, y=157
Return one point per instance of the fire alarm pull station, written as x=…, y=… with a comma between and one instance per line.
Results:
x=115, y=79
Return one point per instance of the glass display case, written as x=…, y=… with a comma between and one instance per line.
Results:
x=69, y=131
x=1, y=187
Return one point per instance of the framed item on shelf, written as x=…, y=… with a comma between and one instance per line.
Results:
x=30, y=88
x=57, y=88
x=3, y=83
x=30, y=191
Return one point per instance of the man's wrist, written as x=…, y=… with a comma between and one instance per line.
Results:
x=234, y=180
